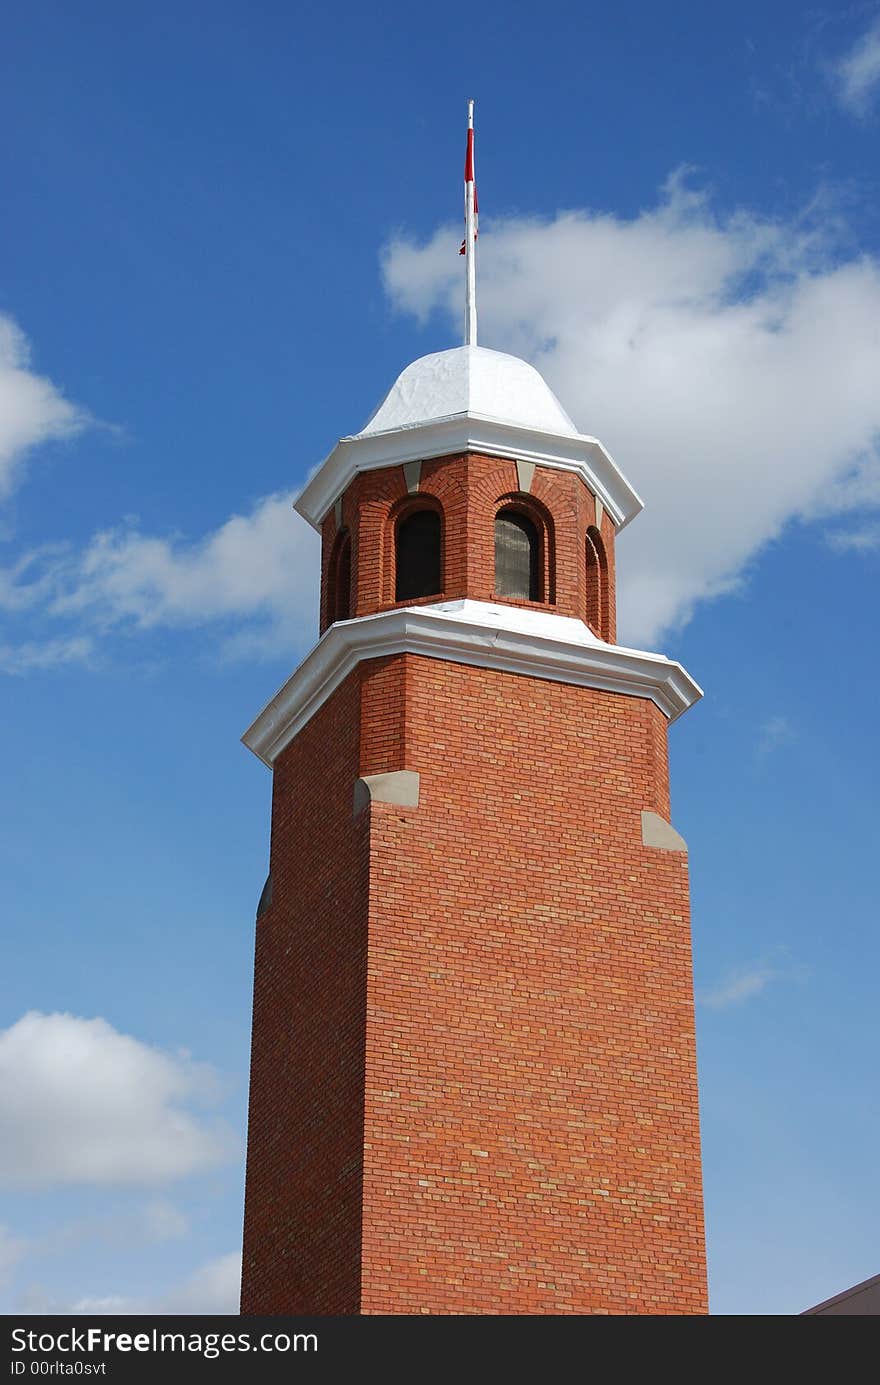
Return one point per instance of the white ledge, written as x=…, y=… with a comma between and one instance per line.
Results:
x=533, y=643
x=469, y=432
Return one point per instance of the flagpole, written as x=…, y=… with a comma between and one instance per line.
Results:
x=470, y=297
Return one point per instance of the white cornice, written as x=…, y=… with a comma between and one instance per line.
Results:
x=469, y=432
x=533, y=643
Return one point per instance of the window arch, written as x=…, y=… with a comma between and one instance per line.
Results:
x=517, y=555
x=418, y=555
x=597, y=583
x=339, y=602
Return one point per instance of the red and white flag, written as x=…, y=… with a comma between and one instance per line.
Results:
x=468, y=245
x=469, y=178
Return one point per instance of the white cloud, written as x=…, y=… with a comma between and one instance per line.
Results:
x=857, y=73
x=744, y=983
x=739, y=987
x=864, y=539
x=729, y=363
x=110, y=1304
x=252, y=564
x=256, y=576
x=213, y=1288
x=162, y=1221
x=32, y=409
x=33, y=656
x=151, y=1223
x=81, y=1103
x=12, y=1248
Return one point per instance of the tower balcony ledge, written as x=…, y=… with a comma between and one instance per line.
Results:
x=536, y=644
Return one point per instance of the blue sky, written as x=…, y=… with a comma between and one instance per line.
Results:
x=227, y=228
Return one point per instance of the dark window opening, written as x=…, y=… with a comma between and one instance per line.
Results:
x=517, y=557
x=418, y=556
x=339, y=603
x=343, y=581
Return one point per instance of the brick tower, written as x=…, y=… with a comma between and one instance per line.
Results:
x=473, y=1082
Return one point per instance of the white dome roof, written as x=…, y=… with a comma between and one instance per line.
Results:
x=469, y=400
x=474, y=381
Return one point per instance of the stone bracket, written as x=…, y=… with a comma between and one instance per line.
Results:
x=400, y=786
x=656, y=831
x=412, y=474
x=525, y=472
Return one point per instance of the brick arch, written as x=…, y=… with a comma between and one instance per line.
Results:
x=400, y=510
x=597, y=613
x=469, y=488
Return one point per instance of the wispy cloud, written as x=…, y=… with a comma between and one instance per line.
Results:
x=212, y=1288
x=152, y=1223
x=32, y=409
x=865, y=539
x=254, y=580
x=33, y=656
x=774, y=732
x=857, y=73
x=162, y=1221
x=746, y=982
x=12, y=1248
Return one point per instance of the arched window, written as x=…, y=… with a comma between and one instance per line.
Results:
x=339, y=603
x=597, y=583
x=517, y=556
x=418, y=565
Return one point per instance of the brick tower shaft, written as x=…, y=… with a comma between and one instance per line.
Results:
x=473, y=1082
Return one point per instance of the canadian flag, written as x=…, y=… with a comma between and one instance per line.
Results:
x=469, y=178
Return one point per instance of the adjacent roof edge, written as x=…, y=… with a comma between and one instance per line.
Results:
x=854, y=1292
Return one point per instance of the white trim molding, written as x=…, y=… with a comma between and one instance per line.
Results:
x=469, y=432
x=533, y=643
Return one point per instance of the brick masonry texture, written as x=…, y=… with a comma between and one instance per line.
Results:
x=302, y=1228
x=469, y=490
x=474, y=1080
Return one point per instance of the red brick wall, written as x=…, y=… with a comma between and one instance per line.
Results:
x=470, y=489
x=302, y=1229
x=525, y=1071
x=532, y=1138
